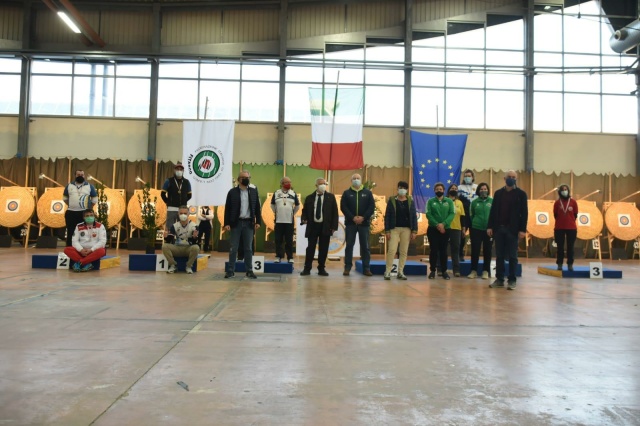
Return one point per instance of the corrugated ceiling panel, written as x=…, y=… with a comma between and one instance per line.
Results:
x=311, y=21
x=11, y=23
x=126, y=27
x=373, y=16
x=50, y=29
x=240, y=26
x=188, y=28
x=429, y=10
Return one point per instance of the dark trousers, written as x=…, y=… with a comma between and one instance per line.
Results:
x=204, y=232
x=363, y=236
x=463, y=240
x=506, y=248
x=479, y=238
x=560, y=236
x=316, y=237
x=284, y=231
x=241, y=250
x=241, y=235
x=71, y=219
x=438, y=248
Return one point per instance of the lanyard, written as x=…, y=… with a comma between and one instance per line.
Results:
x=564, y=209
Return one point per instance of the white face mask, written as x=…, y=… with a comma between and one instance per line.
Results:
x=183, y=217
x=356, y=182
x=564, y=193
x=179, y=174
x=402, y=192
x=322, y=188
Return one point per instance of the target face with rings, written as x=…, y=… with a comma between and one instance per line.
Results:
x=57, y=206
x=542, y=218
x=193, y=210
x=12, y=206
x=624, y=220
x=583, y=219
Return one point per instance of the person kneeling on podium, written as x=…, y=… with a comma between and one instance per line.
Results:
x=181, y=240
x=88, y=243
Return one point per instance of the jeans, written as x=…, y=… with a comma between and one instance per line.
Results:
x=479, y=238
x=506, y=248
x=454, y=241
x=284, y=231
x=399, y=242
x=363, y=235
x=438, y=248
x=242, y=233
x=560, y=235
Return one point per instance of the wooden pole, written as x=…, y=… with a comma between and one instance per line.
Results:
x=609, y=186
x=113, y=180
x=155, y=177
x=491, y=179
x=26, y=175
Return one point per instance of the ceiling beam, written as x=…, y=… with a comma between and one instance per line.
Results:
x=83, y=23
x=55, y=10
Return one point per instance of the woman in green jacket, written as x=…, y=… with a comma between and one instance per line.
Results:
x=479, y=213
x=440, y=213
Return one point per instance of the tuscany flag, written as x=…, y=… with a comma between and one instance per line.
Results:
x=336, y=128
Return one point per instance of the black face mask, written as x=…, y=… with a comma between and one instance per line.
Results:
x=453, y=193
x=244, y=181
x=80, y=179
x=439, y=194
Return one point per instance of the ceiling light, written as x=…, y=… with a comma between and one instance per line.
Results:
x=69, y=22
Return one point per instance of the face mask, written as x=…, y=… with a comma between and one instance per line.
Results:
x=90, y=219
x=80, y=179
x=179, y=174
x=244, y=181
x=564, y=193
x=453, y=193
x=439, y=194
x=484, y=194
x=286, y=186
x=402, y=192
x=322, y=188
x=356, y=182
x=468, y=180
x=511, y=181
x=183, y=217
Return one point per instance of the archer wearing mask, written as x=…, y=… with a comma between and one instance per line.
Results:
x=565, y=211
x=79, y=196
x=181, y=239
x=320, y=214
x=400, y=227
x=176, y=191
x=440, y=212
x=479, y=212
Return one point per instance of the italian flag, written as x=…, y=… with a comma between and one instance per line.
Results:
x=336, y=128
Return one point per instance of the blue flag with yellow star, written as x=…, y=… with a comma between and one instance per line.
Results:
x=436, y=158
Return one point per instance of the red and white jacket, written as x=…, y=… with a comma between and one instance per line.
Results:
x=92, y=237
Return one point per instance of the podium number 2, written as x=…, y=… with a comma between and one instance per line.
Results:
x=63, y=262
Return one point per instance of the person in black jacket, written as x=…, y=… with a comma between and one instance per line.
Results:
x=242, y=217
x=176, y=191
x=507, y=224
x=400, y=226
x=320, y=214
x=357, y=205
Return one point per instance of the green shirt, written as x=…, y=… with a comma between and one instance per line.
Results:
x=479, y=213
x=440, y=211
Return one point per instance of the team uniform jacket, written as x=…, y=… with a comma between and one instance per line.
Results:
x=440, y=211
x=170, y=190
x=80, y=198
x=85, y=237
x=285, y=205
x=184, y=234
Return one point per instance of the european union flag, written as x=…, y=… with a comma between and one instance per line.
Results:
x=436, y=158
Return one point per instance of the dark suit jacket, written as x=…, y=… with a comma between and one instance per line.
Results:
x=518, y=211
x=232, y=207
x=329, y=213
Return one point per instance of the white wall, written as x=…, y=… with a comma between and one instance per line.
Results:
x=8, y=137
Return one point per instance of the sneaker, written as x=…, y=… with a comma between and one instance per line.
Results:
x=485, y=275
x=291, y=261
x=432, y=275
x=189, y=270
x=472, y=275
x=305, y=271
x=511, y=285
x=323, y=272
x=346, y=272
x=229, y=275
x=76, y=267
x=456, y=274
x=570, y=267
x=277, y=260
x=86, y=267
x=497, y=283
x=367, y=273
x=251, y=275
x=401, y=276
x=446, y=276
x=387, y=276
x=172, y=269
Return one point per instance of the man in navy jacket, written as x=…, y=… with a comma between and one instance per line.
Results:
x=357, y=205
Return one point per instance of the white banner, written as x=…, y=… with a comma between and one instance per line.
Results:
x=337, y=244
x=207, y=156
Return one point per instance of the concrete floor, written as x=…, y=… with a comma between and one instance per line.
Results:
x=109, y=348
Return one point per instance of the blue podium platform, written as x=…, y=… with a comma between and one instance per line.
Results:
x=378, y=267
x=578, y=272
x=50, y=261
x=465, y=268
x=148, y=262
x=269, y=267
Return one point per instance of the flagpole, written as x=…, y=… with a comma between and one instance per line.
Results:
x=437, y=145
x=333, y=121
x=206, y=107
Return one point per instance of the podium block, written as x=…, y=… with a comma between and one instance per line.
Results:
x=465, y=268
x=50, y=261
x=578, y=272
x=269, y=267
x=377, y=267
x=149, y=262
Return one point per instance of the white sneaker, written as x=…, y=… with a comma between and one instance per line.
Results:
x=172, y=269
x=472, y=275
x=485, y=275
x=290, y=260
x=277, y=260
x=189, y=270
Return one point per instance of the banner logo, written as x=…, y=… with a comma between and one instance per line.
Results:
x=206, y=164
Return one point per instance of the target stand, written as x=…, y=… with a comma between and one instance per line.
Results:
x=17, y=205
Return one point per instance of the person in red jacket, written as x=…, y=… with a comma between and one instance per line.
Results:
x=565, y=210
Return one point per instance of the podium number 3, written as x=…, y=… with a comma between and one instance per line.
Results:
x=257, y=265
x=596, y=271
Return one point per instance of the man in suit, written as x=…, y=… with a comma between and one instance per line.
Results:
x=320, y=214
x=242, y=217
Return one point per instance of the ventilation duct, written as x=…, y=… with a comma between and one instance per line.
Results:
x=626, y=38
